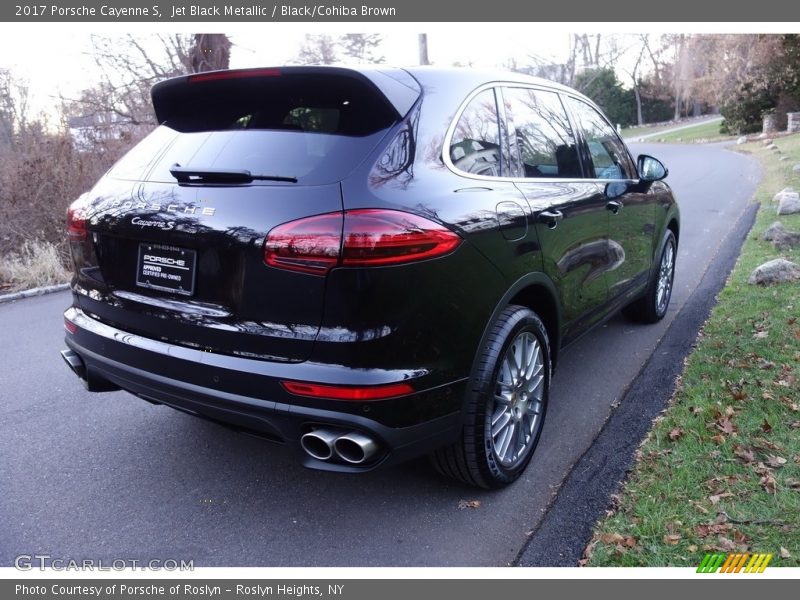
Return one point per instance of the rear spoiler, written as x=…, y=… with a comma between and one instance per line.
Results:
x=397, y=86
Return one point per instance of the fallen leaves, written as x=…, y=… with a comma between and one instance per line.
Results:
x=769, y=484
x=675, y=434
x=464, y=504
x=737, y=393
x=727, y=544
x=715, y=498
x=775, y=462
x=626, y=541
x=726, y=426
x=672, y=539
x=785, y=553
x=746, y=455
x=766, y=427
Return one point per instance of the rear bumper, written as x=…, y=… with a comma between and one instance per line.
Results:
x=246, y=393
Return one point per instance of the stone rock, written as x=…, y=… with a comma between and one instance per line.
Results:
x=787, y=190
x=767, y=141
x=796, y=169
x=789, y=204
x=778, y=270
x=783, y=158
x=772, y=147
x=781, y=237
x=741, y=140
x=770, y=232
x=641, y=139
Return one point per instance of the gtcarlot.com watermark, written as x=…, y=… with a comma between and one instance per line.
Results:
x=43, y=562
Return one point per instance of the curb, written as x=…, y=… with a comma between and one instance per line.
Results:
x=39, y=291
x=585, y=494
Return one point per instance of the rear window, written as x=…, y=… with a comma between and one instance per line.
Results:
x=315, y=128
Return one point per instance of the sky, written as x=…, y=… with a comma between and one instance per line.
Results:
x=55, y=58
x=56, y=61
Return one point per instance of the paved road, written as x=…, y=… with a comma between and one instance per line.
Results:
x=107, y=476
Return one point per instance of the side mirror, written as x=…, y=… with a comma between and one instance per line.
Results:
x=650, y=169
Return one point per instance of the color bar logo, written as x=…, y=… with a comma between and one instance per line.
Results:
x=734, y=563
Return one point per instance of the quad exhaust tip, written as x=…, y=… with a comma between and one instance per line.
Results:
x=319, y=443
x=326, y=444
x=355, y=448
x=75, y=363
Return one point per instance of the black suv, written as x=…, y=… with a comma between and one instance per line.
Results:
x=365, y=264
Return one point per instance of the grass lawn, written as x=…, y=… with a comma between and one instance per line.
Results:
x=708, y=132
x=720, y=470
x=634, y=132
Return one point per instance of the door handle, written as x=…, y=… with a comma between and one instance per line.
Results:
x=551, y=218
x=614, y=206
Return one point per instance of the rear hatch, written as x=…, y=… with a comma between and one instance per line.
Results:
x=174, y=248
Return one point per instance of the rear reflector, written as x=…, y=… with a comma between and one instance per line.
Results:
x=341, y=392
x=76, y=219
x=234, y=74
x=356, y=238
x=70, y=326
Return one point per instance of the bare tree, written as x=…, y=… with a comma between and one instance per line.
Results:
x=129, y=67
x=363, y=47
x=13, y=107
x=317, y=50
x=635, y=75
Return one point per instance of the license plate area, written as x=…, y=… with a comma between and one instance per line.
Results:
x=166, y=268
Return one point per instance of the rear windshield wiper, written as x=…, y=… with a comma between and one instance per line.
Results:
x=188, y=175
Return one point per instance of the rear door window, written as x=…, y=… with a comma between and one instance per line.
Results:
x=541, y=135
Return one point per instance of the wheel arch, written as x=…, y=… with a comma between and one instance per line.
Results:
x=538, y=293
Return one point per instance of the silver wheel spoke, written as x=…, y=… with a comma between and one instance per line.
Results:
x=519, y=389
x=664, y=286
x=499, y=422
x=510, y=433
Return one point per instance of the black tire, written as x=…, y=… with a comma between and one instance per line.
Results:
x=474, y=458
x=652, y=307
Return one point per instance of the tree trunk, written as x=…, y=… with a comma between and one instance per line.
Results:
x=210, y=52
x=677, y=76
x=638, y=96
x=423, y=49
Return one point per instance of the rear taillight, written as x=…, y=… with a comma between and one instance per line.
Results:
x=310, y=245
x=76, y=219
x=356, y=238
x=70, y=326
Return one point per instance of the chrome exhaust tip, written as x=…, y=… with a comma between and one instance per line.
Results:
x=355, y=448
x=75, y=363
x=319, y=443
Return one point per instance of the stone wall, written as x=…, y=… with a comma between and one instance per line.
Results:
x=793, y=124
